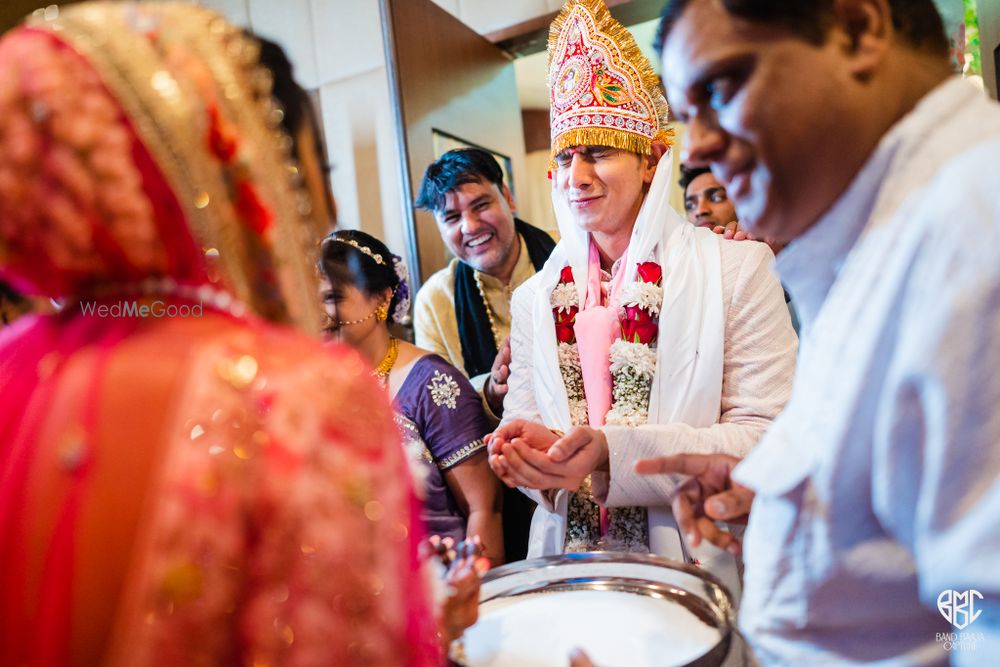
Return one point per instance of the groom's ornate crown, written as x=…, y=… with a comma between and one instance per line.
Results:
x=602, y=89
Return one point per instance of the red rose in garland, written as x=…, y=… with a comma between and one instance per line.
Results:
x=565, y=319
x=650, y=272
x=564, y=326
x=638, y=326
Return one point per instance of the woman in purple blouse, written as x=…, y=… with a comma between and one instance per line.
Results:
x=439, y=414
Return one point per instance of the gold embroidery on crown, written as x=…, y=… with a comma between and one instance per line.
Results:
x=603, y=90
x=444, y=390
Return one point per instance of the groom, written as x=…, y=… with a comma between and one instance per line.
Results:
x=641, y=335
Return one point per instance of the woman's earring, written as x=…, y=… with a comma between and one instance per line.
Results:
x=382, y=313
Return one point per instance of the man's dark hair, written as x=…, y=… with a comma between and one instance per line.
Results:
x=917, y=21
x=454, y=168
x=688, y=174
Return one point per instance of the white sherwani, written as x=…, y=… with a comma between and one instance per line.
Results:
x=758, y=362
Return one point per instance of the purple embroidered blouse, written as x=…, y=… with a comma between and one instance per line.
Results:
x=443, y=424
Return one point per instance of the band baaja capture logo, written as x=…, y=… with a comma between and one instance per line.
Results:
x=959, y=609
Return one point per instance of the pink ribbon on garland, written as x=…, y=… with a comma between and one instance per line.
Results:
x=597, y=328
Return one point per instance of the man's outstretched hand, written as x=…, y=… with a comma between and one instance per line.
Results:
x=495, y=388
x=709, y=495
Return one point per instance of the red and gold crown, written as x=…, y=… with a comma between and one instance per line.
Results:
x=602, y=89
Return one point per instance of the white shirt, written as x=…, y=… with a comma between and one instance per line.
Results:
x=878, y=487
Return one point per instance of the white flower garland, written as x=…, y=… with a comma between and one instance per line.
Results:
x=647, y=296
x=401, y=313
x=564, y=297
x=637, y=356
x=572, y=375
x=632, y=366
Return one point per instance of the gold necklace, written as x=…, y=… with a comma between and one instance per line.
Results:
x=382, y=370
x=489, y=309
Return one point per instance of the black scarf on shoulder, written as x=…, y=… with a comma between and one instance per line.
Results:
x=479, y=350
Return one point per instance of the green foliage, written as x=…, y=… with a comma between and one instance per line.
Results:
x=973, y=51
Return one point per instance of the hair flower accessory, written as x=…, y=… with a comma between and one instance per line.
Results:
x=401, y=313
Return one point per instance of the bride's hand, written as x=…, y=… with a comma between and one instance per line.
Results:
x=465, y=565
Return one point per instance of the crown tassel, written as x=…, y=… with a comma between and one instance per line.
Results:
x=603, y=136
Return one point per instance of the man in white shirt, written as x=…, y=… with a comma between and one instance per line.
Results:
x=876, y=494
x=642, y=334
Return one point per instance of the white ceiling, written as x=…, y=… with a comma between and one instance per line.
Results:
x=486, y=16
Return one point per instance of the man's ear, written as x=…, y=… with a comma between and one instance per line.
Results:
x=657, y=151
x=865, y=32
x=509, y=197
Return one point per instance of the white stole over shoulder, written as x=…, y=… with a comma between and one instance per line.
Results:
x=688, y=383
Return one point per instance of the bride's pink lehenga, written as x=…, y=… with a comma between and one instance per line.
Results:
x=200, y=485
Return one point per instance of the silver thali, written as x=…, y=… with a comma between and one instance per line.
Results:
x=622, y=609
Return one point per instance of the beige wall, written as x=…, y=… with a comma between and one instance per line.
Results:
x=337, y=49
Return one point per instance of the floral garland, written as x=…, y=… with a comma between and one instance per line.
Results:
x=633, y=356
x=565, y=306
x=632, y=361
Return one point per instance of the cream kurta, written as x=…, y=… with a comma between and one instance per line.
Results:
x=434, y=321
